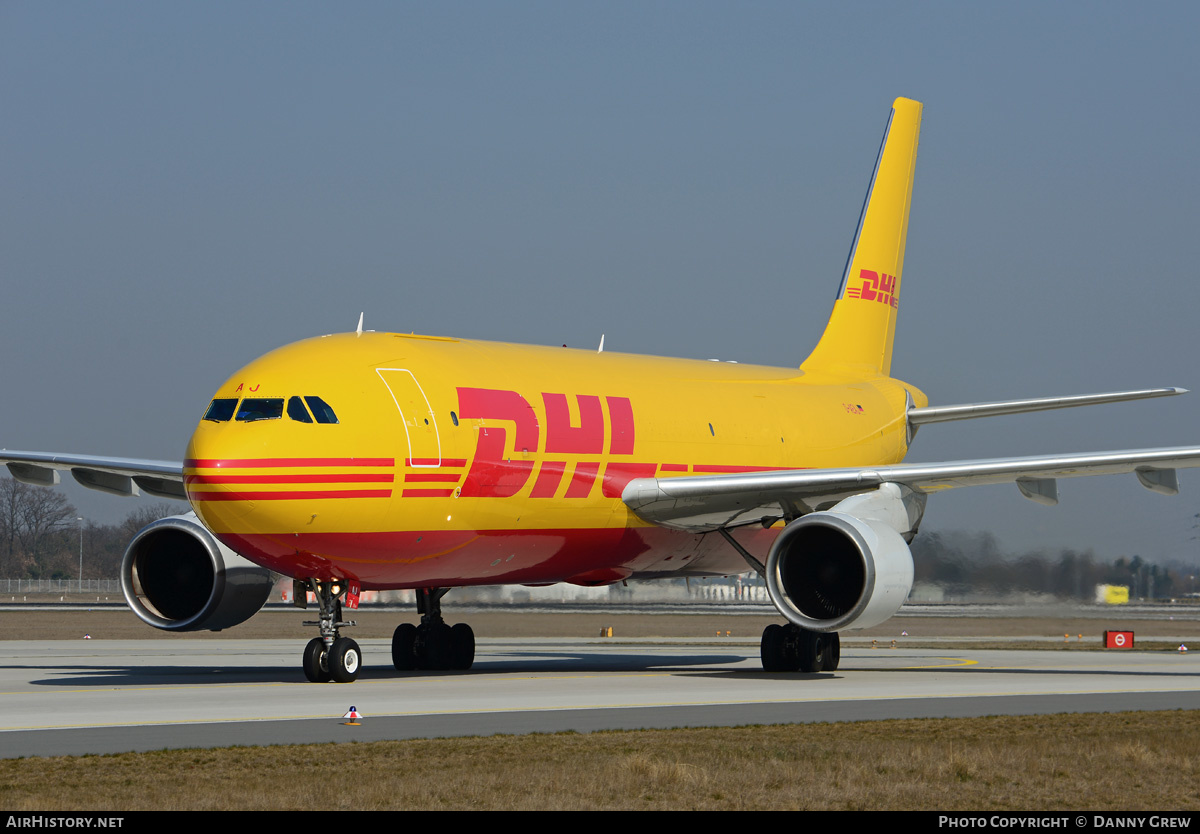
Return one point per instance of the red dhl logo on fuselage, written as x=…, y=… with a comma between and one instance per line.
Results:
x=501, y=470
x=876, y=286
x=498, y=468
x=495, y=473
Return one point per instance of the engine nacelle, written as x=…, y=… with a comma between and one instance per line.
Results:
x=848, y=567
x=177, y=576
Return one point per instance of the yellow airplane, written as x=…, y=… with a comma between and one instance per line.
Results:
x=371, y=460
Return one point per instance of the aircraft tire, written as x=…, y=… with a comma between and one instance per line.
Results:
x=810, y=654
x=831, y=652
x=438, y=652
x=404, y=638
x=462, y=646
x=345, y=660
x=314, y=654
x=772, y=648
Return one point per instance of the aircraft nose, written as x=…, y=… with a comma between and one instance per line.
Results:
x=218, y=489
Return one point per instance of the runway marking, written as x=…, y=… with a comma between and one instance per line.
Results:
x=564, y=708
x=557, y=708
x=956, y=663
x=808, y=690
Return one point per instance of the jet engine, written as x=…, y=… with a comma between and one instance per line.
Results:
x=849, y=566
x=177, y=576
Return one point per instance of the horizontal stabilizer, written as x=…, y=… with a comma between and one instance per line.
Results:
x=969, y=411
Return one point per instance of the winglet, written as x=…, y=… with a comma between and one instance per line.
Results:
x=860, y=330
x=360, y=321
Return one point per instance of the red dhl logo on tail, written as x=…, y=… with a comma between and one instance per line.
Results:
x=876, y=286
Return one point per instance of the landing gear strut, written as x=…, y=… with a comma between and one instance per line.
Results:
x=432, y=644
x=330, y=656
x=789, y=648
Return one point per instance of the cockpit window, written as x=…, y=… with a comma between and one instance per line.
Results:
x=321, y=410
x=260, y=409
x=297, y=411
x=221, y=410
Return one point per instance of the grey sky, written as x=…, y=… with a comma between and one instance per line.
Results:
x=186, y=186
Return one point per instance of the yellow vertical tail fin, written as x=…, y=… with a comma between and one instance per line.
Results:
x=858, y=338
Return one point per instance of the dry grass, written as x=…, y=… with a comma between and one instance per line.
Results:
x=1125, y=761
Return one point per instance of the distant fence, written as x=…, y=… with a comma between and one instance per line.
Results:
x=710, y=591
x=60, y=586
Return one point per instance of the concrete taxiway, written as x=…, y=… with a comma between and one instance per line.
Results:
x=93, y=696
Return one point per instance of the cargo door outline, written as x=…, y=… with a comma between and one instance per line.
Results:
x=424, y=441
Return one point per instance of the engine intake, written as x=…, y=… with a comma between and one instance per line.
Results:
x=177, y=576
x=847, y=567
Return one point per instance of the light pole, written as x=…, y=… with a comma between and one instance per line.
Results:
x=80, y=520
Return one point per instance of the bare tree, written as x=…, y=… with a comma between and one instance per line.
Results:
x=32, y=523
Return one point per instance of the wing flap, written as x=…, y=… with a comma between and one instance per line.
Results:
x=27, y=473
x=161, y=487
x=102, y=481
x=1162, y=481
x=708, y=502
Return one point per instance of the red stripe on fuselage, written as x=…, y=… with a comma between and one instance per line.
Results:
x=253, y=463
x=582, y=480
x=280, y=495
x=548, y=479
x=331, y=478
x=617, y=475
x=713, y=468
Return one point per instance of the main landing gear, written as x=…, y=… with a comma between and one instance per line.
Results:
x=789, y=648
x=330, y=656
x=432, y=644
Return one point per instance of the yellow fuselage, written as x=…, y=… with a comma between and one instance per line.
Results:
x=459, y=462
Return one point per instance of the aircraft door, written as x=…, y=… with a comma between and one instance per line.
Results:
x=420, y=424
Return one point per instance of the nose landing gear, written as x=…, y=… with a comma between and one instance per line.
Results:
x=330, y=656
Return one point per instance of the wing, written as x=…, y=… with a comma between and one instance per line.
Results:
x=710, y=502
x=117, y=476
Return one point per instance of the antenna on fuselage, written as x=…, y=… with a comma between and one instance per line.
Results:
x=601, y=350
x=359, y=330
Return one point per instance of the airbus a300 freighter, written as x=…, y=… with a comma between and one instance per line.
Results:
x=369, y=460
